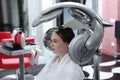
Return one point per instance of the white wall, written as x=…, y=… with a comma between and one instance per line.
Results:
x=46, y=26
x=34, y=9
x=100, y=7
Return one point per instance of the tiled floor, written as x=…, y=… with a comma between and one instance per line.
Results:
x=113, y=68
x=109, y=69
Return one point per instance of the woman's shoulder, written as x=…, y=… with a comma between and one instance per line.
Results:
x=69, y=62
x=72, y=69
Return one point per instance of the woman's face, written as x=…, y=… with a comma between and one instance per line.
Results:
x=58, y=46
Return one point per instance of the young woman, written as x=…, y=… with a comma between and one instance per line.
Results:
x=61, y=67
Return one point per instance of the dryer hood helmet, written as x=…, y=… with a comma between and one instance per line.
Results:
x=55, y=10
x=83, y=47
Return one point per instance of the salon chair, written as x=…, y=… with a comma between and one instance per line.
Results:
x=12, y=62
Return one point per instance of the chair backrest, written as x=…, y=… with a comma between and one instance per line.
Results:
x=5, y=35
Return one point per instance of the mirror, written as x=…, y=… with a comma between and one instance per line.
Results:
x=47, y=37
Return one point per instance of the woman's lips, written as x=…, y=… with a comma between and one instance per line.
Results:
x=53, y=49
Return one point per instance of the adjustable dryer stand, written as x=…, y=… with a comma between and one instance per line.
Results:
x=96, y=60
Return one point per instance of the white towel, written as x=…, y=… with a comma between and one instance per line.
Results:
x=66, y=69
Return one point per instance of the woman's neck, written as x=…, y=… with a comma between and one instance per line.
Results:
x=60, y=57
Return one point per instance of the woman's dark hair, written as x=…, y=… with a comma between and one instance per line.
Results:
x=66, y=34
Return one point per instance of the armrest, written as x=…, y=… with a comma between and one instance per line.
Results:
x=27, y=40
x=30, y=39
x=8, y=39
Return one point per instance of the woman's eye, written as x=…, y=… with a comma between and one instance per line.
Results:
x=55, y=41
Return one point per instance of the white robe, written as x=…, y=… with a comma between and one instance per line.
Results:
x=66, y=69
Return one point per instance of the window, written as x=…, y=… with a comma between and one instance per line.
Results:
x=13, y=14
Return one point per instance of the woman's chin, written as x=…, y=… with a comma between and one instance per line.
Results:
x=55, y=52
